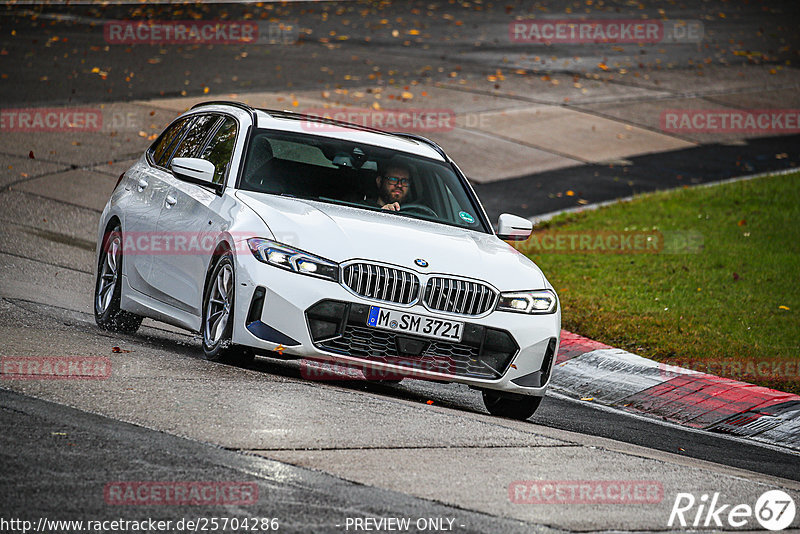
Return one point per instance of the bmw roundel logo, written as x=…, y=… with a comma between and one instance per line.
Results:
x=420, y=262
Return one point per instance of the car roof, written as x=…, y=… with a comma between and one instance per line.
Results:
x=289, y=121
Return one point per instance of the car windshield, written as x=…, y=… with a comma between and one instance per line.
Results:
x=363, y=176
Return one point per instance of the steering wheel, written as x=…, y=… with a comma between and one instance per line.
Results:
x=418, y=208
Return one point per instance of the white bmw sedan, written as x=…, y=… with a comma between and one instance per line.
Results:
x=293, y=236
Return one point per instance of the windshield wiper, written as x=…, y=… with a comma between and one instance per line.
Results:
x=343, y=202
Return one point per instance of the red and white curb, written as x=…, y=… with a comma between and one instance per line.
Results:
x=588, y=369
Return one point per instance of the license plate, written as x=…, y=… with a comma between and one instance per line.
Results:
x=412, y=323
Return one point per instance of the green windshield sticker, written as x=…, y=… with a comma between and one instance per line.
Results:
x=466, y=216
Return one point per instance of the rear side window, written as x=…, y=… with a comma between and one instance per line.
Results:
x=164, y=146
x=220, y=149
x=195, y=138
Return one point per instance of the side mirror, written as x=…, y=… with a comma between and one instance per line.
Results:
x=195, y=170
x=513, y=228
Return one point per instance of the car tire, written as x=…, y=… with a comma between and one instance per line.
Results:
x=217, y=325
x=511, y=405
x=108, y=288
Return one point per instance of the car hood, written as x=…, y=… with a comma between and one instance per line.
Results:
x=341, y=233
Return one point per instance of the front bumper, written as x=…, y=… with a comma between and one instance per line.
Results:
x=321, y=320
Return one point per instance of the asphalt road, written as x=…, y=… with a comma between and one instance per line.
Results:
x=50, y=52
x=58, y=460
x=321, y=452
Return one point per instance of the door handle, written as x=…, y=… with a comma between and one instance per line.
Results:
x=171, y=201
x=142, y=184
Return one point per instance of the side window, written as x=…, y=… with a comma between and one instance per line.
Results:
x=194, y=139
x=220, y=149
x=165, y=144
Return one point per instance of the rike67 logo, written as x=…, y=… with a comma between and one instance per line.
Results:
x=774, y=510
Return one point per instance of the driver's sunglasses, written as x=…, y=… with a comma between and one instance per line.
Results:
x=394, y=180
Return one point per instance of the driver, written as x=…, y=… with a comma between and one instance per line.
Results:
x=393, y=186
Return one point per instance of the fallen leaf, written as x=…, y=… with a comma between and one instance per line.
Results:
x=735, y=277
x=118, y=350
x=30, y=155
x=587, y=398
x=429, y=402
x=742, y=222
x=782, y=307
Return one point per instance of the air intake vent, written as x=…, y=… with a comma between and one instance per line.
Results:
x=458, y=296
x=382, y=283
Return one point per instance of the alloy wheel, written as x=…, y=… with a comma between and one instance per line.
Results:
x=218, y=309
x=107, y=280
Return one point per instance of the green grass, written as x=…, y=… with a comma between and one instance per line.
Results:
x=708, y=309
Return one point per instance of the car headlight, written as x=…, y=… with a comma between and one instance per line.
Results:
x=291, y=259
x=543, y=301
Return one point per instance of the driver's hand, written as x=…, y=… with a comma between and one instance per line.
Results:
x=394, y=206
